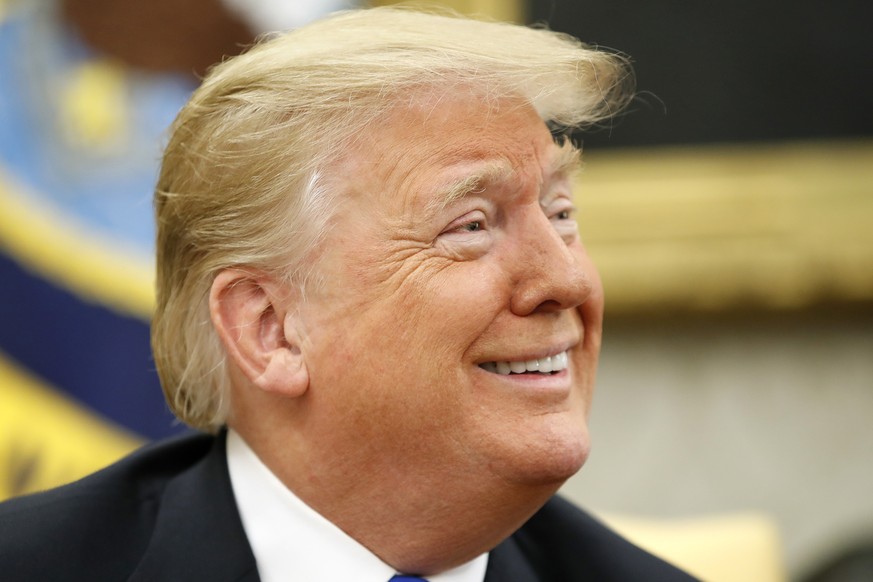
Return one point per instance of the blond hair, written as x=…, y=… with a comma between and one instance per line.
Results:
x=242, y=179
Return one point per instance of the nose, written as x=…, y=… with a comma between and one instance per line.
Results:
x=550, y=274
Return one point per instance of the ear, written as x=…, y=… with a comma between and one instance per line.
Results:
x=251, y=322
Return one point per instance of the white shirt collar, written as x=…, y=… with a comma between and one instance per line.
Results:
x=291, y=541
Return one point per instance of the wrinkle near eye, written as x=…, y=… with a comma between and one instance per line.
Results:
x=408, y=267
x=464, y=246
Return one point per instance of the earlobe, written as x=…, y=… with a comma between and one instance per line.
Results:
x=251, y=321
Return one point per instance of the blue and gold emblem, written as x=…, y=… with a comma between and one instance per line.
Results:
x=80, y=139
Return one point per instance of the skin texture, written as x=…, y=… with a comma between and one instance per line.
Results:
x=373, y=385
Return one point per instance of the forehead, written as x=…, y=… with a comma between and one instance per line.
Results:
x=439, y=140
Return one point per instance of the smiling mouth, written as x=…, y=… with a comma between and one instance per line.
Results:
x=548, y=365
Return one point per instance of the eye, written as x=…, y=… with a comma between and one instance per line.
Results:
x=468, y=237
x=564, y=212
x=471, y=222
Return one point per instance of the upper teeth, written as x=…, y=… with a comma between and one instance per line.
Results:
x=545, y=365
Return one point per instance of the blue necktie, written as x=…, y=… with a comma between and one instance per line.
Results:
x=402, y=578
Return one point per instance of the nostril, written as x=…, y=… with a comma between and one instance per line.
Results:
x=549, y=305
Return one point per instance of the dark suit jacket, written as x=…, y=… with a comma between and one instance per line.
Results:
x=167, y=513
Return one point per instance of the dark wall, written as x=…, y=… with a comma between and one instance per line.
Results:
x=732, y=71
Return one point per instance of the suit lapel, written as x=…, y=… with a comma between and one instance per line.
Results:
x=198, y=534
x=506, y=563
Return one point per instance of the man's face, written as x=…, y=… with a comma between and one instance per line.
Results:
x=453, y=258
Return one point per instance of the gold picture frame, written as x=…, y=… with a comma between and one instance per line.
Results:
x=778, y=225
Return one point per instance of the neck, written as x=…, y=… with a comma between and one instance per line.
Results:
x=431, y=527
x=421, y=521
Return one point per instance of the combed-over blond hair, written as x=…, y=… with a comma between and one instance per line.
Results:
x=242, y=180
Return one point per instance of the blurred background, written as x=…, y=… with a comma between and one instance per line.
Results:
x=729, y=211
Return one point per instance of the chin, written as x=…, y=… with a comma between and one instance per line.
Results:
x=547, y=461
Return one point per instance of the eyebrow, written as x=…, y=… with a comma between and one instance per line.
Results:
x=473, y=183
x=566, y=161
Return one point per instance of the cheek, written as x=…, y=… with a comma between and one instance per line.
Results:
x=585, y=361
x=438, y=313
x=404, y=355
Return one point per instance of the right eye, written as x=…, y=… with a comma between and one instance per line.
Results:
x=470, y=222
x=472, y=226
